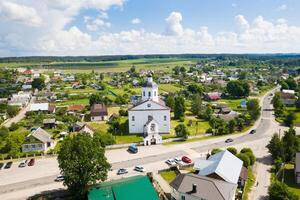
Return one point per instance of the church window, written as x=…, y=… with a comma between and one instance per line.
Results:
x=144, y=94
x=152, y=128
x=150, y=117
x=132, y=118
x=149, y=105
x=149, y=94
x=165, y=118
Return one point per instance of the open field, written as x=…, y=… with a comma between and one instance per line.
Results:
x=163, y=64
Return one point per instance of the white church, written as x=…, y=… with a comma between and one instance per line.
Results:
x=149, y=117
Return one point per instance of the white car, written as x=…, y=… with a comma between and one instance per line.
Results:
x=171, y=162
x=23, y=164
x=178, y=161
x=59, y=178
x=139, y=168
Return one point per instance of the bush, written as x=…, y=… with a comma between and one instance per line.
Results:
x=181, y=131
x=245, y=158
x=244, y=150
x=280, y=191
x=232, y=150
x=216, y=150
x=251, y=157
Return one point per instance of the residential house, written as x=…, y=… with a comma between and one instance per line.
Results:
x=49, y=123
x=132, y=188
x=87, y=129
x=77, y=126
x=99, y=112
x=21, y=99
x=38, y=140
x=195, y=187
x=77, y=108
x=297, y=168
x=213, y=96
x=222, y=166
x=42, y=107
x=165, y=79
x=288, y=97
x=28, y=72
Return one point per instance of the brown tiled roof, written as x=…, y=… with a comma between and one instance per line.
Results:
x=244, y=173
x=99, y=110
x=76, y=107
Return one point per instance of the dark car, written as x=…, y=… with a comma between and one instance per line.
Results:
x=8, y=165
x=252, y=131
x=1, y=165
x=186, y=159
x=31, y=162
x=229, y=140
x=122, y=171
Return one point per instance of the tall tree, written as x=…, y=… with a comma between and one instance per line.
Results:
x=253, y=108
x=196, y=107
x=280, y=191
x=179, y=108
x=170, y=102
x=238, y=88
x=181, y=131
x=275, y=147
x=82, y=162
x=38, y=83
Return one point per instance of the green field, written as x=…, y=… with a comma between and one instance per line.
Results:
x=162, y=64
x=234, y=104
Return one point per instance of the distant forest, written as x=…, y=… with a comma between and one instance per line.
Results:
x=274, y=59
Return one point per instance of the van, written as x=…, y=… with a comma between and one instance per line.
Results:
x=133, y=148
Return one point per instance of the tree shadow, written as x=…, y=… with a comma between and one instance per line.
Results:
x=51, y=194
x=266, y=160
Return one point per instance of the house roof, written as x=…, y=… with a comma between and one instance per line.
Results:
x=49, y=121
x=98, y=110
x=161, y=103
x=224, y=164
x=207, y=188
x=41, y=135
x=39, y=107
x=78, y=107
x=133, y=188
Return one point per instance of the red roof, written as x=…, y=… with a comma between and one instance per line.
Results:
x=76, y=107
x=27, y=71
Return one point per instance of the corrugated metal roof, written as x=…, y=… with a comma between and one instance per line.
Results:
x=224, y=163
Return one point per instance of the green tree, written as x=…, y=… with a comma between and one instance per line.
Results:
x=244, y=158
x=238, y=88
x=275, y=147
x=232, y=150
x=170, y=102
x=289, y=119
x=179, y=108
x=290, y=145
x=38, y=83
x=181, y=131
x=280, y=191
x=196, y=106
x=253, y=108
x=231, y=125
x=277, y=164
x=82, y=161
x=12, y=110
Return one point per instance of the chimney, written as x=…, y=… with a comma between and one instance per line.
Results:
x=194, y=190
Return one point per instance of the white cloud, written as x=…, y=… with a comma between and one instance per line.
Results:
x=241, y=22
x=10, y=11
x=282, y=7
x=94, y=24
x=136, y=21
x=174, y=24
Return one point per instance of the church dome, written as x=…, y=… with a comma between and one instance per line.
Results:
x=150, y=83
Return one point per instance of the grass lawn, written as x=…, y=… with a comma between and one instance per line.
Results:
x=128, y=139
x=168, y=88
x=198, y=126
x=289, y=179
x=234, y=104
x=84, y=101
x=169, y=175
x=249, y=183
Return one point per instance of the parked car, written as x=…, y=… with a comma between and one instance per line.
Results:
x=171, y=162
x=31, y=162
x=8, y=165
x=1, y=165
x=229, y=140
x=139, y=168
x=122, y=171
x=22, y=164
x=186, y=159
x=59, y=178
x=178, y=161
x=252, y=131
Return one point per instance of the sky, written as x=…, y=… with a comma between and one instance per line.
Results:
x=116, y=27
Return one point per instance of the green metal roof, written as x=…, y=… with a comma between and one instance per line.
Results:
x=133, y=188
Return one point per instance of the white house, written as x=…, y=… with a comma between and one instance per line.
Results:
x=149, y=117
x=38, y=140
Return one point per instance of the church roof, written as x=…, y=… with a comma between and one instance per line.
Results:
x=161, y=103
x=149, y=84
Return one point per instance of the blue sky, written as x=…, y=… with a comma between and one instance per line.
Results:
x=98, y=27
